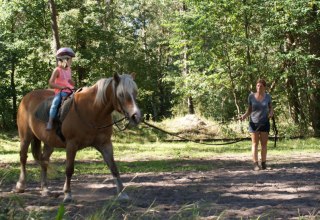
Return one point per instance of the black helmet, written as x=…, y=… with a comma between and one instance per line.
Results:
x=65, y=51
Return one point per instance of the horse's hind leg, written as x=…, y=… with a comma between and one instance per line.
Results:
x=107, y=153
x=24, y=145
x=47, y=151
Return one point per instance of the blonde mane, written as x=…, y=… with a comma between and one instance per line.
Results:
x=126, y=85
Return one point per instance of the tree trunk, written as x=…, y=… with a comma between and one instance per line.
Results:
x=54, y=25
x=233, y=85
x=82, y=71
x=185, y=73
x=185, y=70
x=13, y=90
x=294, y=100
x=292, y=87
x=314, y=68
x=248, y=53
x=13, y=60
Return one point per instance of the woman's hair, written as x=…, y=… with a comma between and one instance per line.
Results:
x=262, y=81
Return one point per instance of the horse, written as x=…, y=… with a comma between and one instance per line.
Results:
x=88, y=123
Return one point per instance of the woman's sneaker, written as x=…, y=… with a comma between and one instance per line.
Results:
x=256, y=166
x=263, y=165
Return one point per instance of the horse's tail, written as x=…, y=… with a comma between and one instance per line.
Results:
x=36, y=149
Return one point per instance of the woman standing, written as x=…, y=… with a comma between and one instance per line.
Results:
x=260, y=110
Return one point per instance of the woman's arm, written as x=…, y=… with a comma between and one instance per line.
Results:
x=245, y=115
x=270, y=111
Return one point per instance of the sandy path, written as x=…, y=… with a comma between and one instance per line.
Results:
x=289, y=191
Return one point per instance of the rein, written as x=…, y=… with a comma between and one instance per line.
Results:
x=186, y=139
x=274, y=127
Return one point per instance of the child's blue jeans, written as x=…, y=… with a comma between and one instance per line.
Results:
x=55, y=103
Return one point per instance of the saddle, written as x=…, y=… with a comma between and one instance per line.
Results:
x=42, y=112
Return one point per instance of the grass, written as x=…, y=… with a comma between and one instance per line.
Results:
x=139, y=150
x=139, y=156
x=131, y=157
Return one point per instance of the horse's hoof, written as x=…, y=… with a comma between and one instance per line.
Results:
x=19, y=188
x=45, y=192
x=15, y=190
x=123, y=196
x=68, y=198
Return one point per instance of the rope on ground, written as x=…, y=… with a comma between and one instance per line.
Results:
x=230, y=141
x=194, y=141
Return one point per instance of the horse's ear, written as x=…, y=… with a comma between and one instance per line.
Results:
x=133, y=75
x=116, y=78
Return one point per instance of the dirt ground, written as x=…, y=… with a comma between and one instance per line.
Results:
x=290, y=190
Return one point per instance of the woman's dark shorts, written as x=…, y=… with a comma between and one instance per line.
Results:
x=254, y=127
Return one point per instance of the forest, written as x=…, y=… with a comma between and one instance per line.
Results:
x=190, y=57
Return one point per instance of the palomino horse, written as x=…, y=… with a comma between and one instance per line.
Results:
x=83, y=126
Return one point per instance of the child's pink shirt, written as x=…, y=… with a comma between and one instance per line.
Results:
x=63, y=79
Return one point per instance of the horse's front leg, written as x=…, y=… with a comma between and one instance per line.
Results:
x=71, y=154
x=107, y=153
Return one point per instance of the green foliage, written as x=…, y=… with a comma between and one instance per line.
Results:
x=8, y=208
x=229, y=45
x=212, y=51
x=61, y=212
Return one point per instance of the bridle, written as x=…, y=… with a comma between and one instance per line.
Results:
x=116, y=122
x=98, y=127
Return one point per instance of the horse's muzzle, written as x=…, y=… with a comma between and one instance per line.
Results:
x=136, y=118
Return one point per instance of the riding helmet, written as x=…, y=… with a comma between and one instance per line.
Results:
x=65, y=51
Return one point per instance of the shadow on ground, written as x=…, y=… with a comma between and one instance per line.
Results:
x=225, y=188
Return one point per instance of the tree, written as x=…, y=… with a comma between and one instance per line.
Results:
x=314, y=43
x=54, y=25
x=208, y=52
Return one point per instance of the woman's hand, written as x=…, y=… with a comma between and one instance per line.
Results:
x=242, y=117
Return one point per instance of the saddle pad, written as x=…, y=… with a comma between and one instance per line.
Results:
x=42, y=112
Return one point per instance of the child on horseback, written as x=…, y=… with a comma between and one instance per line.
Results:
x=61, y=81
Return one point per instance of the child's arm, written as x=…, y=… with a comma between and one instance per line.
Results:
x=71, y=82
x=54, y=75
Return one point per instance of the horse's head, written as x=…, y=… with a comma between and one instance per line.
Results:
x=126, y=91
